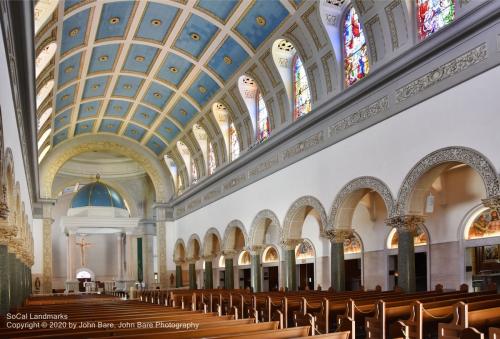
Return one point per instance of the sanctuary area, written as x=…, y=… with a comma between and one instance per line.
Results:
x=250, y=168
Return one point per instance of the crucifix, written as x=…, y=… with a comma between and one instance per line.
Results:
x=83, y=244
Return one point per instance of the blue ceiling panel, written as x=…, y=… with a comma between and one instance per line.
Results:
x=156, y=22
x=228, y=58
x=114, y=19
x=140, y=58
x=89, y=109
x=60, y=136
x=134, y=132
x=145, y=115
x=110, y=125
x=74, y=31
x=183, y=111
x=273, y=13
x=69, y=69
x=117, y=108
x=203, y=89
x=221, y=9
x=65, y=97
x=127, y=86
x=156, y=145
x=157, y=95
x=174, y=69
x=195, y=36
x=103, y=58
x=84, y=127
x=62, y=120
x=96, y=87
x=168, y=130
x=70, y=3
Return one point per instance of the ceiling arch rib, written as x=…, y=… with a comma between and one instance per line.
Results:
x=147, y=71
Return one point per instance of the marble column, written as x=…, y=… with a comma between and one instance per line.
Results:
x=406, y=226
x=178, y=273
x=161, y=211
x=4, y=271
x=13, y=276
x=47, y=254
x=192, y=274
x=337, y=265
x=70, y=270
x=291, y=265
x=229, y=268
x=209, y=274
x=255, y=254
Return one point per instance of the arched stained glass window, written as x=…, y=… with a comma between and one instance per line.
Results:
x=356, y=64
x=432, y=15
x=194, y=172
x=44, y=117
x=211, y=159
x=234, y=145
x=44, y=92
x=263, y=128
x=301, y=92
x=43, y=59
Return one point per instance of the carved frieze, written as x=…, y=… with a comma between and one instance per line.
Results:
x=302, y=146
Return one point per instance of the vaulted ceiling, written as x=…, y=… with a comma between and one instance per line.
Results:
x=143, y=70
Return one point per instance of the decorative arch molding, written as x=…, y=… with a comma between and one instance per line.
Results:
x=56, y=158
x=464, y=155
x=189, y=249
x=356, y=185
x=210, y=231
x=227, y=234
x=298, y=205
x=257, y=222
x=175, y=255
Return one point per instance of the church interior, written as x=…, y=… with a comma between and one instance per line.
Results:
x=244, y=168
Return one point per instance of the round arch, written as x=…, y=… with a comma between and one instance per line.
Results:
x=229, y=241
x=56, y=158
x=349, y=196
x=296, y=214
x=179, y=250
x=194, y=247
x=85, y=272
x=406, y=201
x=258, y=229
x=211, y=246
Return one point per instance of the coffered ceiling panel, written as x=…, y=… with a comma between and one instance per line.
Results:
x=146, y=70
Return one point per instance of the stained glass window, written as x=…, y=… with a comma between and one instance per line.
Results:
x=302, y=94
x=211, y=159
x=234, y=145
x=432, y=15
x=356, y=64
x=194, y=172
x=263, y=128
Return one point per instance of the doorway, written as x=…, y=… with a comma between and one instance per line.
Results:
x=271, y=279
x=245, y=277
x=306, y=276
x=420, y=271
x=352, y=274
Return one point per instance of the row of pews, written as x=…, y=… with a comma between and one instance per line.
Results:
x=102, y=316
x=363, y=314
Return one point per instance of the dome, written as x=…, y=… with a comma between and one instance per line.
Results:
x=97, y=194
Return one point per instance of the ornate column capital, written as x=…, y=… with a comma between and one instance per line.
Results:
x=208, y=257
x=406, y=223
x=290, y=244
x=256, y=249
x=337, y=235
x=178, y=262
x=192, y=260
x=229, y=253
x=492, y=202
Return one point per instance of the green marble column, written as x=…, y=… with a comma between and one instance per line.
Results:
x=337, y=266
x=22, y=282
x=406, y=261
x=12, y=280
x=256, y=273
x=4, y=280
x=192, y=276
x=209, y=276
x=291, y=270
x=406, y=226
x=229, y=275
x=178, y=275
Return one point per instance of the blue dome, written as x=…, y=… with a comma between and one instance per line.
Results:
x=97, y=194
